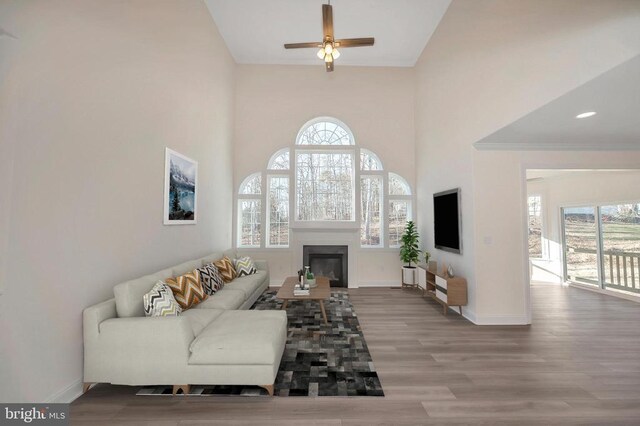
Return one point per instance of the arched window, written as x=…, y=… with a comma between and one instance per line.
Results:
x=325, y=131
x=369, y=161
x=398, y=186
x=316, y=177
x=279, y=160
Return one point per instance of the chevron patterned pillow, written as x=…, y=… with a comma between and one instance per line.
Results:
x=187, y=289
x=244, y=266
x=159, y=302
x=225, y=266
x=210, y=278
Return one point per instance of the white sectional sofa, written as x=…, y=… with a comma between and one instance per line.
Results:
x=217, y=342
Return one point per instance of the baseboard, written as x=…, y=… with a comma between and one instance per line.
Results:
x=629, y=297
x=67, y=394
x=501, y=320
x=381, y=283
x=471, y=316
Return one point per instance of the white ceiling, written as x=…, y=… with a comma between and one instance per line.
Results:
x=256, y=30
x=614, y=95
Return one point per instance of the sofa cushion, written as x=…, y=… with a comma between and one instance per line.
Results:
x=187, y=289
x=200, y=318
x=159, y=302
x=129, y=294
x=244, y=266
x=225, y=266
x=185, y=267
x=224, y=299
x=248, y=284
x=241, y=337
x=210, y=278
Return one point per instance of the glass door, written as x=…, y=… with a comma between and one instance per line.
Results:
x=581, y=244
x=621, y=246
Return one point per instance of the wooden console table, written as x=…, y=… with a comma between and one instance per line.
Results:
x=448, y=291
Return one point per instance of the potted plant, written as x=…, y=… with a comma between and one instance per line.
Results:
x=410, y=254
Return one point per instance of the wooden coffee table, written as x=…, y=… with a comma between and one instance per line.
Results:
x=321, y=292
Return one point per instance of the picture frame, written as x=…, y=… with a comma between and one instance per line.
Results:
x=180, y=189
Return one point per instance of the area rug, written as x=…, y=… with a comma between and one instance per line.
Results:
x=319, y=359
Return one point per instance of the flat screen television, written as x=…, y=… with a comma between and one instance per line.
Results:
x=447, y=220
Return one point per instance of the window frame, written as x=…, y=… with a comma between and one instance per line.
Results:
x=544, y=253
x=329, y=225
x=272, y=174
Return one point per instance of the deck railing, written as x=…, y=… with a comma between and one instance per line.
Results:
x=621, y=269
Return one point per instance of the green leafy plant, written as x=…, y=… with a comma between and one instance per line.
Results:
x=409, y=251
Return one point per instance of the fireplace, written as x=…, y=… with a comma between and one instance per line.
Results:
x=328, y=261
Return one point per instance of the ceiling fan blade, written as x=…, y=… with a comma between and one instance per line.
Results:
x=329, y=66
x=327, y=21
x=302, y=45
x=355, y=42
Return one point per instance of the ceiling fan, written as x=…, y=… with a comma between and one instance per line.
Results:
x=329, y=45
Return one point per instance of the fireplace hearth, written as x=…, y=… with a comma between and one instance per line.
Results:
x=328, y=261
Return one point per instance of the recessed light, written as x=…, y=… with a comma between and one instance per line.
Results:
x=586, y=114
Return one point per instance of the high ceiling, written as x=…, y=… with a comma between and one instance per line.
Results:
x=255, y=30
x=614, y=96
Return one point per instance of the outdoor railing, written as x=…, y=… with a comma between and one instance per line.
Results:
x=621, y=269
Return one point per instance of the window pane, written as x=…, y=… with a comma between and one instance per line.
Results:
x=371, y=211
x=621, y=246
x=252, y=185
x=278, y=211
x=325, y=133
x=280, y=161
x=398, y=216
x=398, y=186
x=535, y=226
x=369, y=161
x=324, y=186
x=250, y=222
x=581, y=244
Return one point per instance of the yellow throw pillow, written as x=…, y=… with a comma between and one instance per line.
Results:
x=187, y=289
x=225, y=266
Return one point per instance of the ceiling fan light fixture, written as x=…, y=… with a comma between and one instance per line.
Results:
x=328, y=58
x=321, y=53
x=328, y=48
x=335, y=54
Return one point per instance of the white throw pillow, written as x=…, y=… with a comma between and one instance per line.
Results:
x=159, y=302
x=244, y=266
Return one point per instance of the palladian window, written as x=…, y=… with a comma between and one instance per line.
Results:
x=323, y=178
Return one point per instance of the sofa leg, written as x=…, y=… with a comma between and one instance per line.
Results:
x=86, y=386
x=268, y=388
x=185, y=389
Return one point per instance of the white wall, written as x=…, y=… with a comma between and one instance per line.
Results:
x=487, y=64
x=93, y=93
x=573, y=188
x=274, y=102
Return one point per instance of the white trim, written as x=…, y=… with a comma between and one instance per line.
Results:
x=379, y=283
x=555, y=146
x=67, y=394
x=501, y=320
x=167, y=171
x=605, y=291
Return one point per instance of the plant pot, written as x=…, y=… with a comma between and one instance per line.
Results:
x=409, y=275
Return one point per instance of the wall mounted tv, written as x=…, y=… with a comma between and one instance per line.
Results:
x=447, y=220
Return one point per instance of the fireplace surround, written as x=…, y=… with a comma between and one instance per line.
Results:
x=330, y=261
